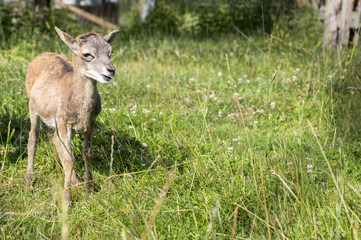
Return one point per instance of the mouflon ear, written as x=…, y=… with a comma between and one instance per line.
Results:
x=110, y=37
x=68, y=40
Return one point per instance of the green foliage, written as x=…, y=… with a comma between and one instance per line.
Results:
x=303, y=27
x=19, y=24
x=211, y=18
x=162, y=20
x=14, y=19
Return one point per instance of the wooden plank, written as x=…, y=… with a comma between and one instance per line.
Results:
x=95, y=19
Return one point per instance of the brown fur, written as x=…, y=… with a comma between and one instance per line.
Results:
x=65, y=96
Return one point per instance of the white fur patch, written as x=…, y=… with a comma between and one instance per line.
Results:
x=96, y=76
x=50, y=122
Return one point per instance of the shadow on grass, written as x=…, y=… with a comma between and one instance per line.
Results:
x=13, y=136
x=346, y=114
x=118, y=152
x=347, y=99
x=128, y=154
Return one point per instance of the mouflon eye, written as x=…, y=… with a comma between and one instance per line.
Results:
x=87, y=55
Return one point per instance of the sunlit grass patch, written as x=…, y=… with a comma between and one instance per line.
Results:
x=197, y=139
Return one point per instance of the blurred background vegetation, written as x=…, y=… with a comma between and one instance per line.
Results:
x=24, y=20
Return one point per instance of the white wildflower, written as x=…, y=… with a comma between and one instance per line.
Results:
x=273, y=105
x=213, y=96
x=261, y=111
x=133, y=108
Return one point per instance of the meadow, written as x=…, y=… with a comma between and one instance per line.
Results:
x=216, y=138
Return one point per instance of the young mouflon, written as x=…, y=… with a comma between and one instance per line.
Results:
x=65, y=96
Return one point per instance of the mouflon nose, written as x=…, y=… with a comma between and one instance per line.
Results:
x=111, y=71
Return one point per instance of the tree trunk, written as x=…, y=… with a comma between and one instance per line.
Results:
x=331, y=23
x=358, y=10
x=345, y=22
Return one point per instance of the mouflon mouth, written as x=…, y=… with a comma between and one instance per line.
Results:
x=106, y=78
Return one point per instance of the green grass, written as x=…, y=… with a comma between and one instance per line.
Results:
x=229, y=139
